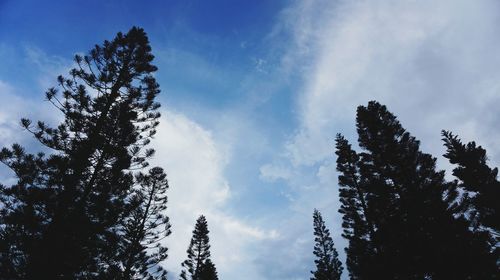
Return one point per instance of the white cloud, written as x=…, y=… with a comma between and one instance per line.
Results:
x=28, y=101
x=193, y=157
x=13, y=107
x=272, y=172
x=195, y=166
x=435, y=64
x=49, y=66
x=8, y=123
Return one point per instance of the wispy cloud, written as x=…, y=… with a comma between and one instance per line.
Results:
x=15, y=106
x=48, y=67
x=273, y=172
x=236, y=132
x=195, y=165
x=435, y=64
x=194, y=157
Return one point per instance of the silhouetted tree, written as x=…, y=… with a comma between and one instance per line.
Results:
x=358, y=228
x=198, y=263
x=328, y=266
x=145, y=227
x=208, y=271
x=62, y=218
x=479, y=186
x=414, y=235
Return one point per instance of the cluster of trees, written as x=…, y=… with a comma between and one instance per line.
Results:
x=402, y=218
x=93, y=208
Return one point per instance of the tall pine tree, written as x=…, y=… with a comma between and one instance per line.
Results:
x=358, y=226
x=62, y=217
x=145, y=228
x=328, y=266
x=411, y=232
x=479, y=186
x=198, y=265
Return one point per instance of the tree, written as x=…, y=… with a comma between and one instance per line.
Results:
x=145, y=227
x=479, y=186
x=411, y=232
x=208, y=271
x=328, y=266
x=358, y=227
x=198, y=264
x=62, y=217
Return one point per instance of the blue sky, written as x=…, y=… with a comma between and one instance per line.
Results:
x=253, y=93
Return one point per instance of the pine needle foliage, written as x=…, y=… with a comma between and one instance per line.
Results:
x=198, y=265
x=63, y=217
x=396, y=213
x=328, y=266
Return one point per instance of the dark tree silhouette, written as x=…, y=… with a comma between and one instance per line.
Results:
x=328, y=266
x=145, y=227
x=479, y=186
x=198, y=263
x=208, y=271
x=393, y=204
x=62, y=218
x=358, y=227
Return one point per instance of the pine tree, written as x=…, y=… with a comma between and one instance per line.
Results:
x=358, y=226
x=145, y=228
x=328, y=266
x=414, y=234
x=198, y=260
x=479, y=186
x=208, y=271
x=61, y=219
x=477, y=179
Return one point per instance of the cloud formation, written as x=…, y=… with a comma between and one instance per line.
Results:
x=193, y=157
x=435, y=64
x=195, y=166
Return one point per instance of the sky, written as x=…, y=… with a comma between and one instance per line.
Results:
x=253, y=93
